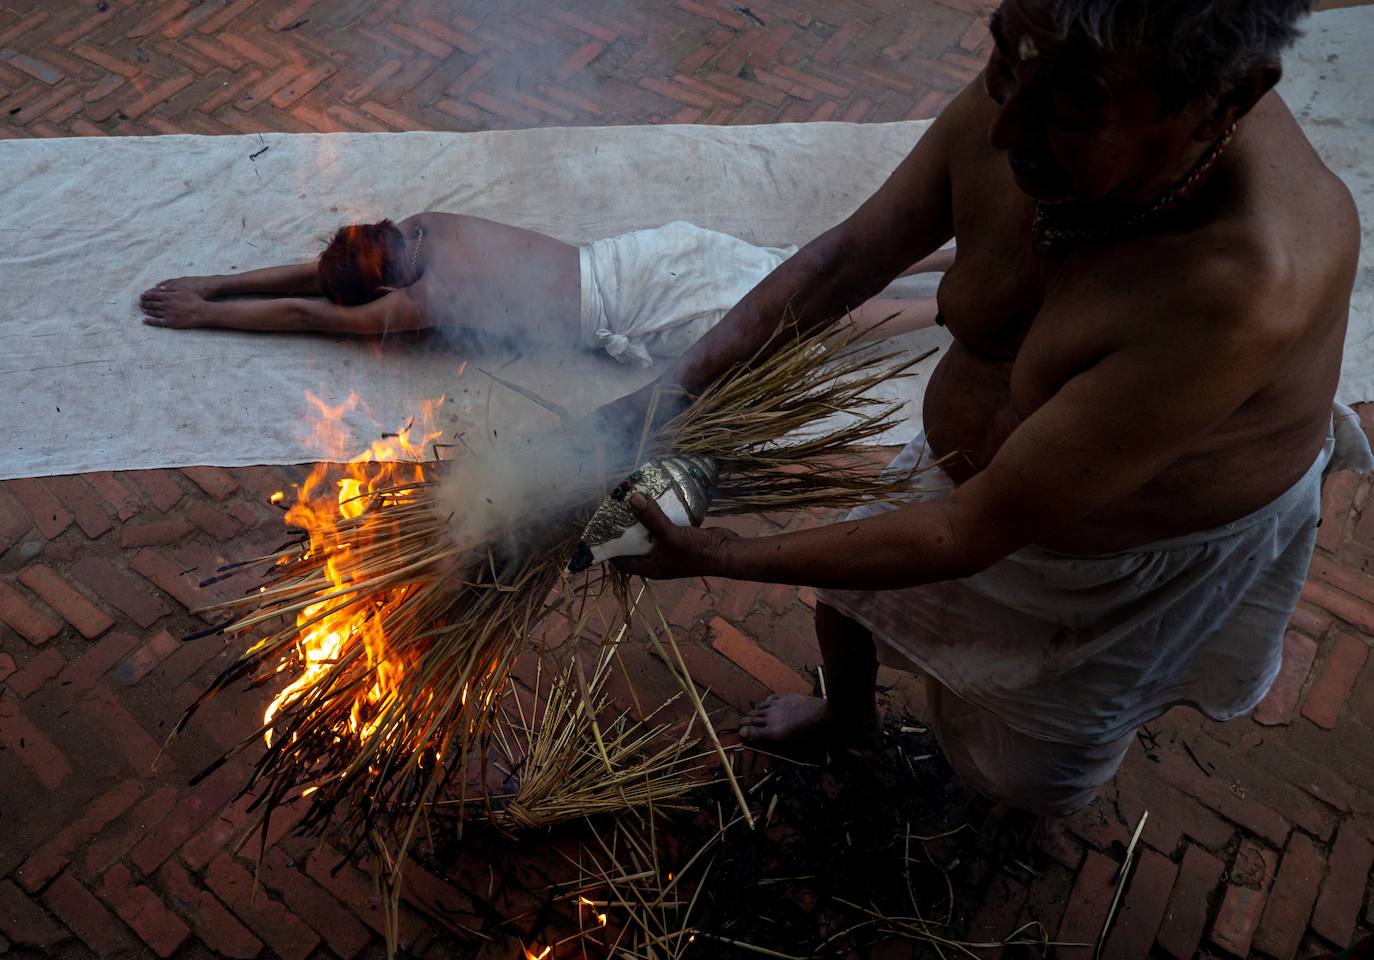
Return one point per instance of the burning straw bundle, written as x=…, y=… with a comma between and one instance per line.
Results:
x=400, y=633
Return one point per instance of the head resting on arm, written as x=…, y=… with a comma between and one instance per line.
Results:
x=363, y=262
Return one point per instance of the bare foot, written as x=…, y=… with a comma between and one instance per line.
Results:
x=179, y=309
x=1011, y=835
x=790, y=719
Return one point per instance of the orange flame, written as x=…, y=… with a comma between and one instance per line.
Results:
x=331, y=628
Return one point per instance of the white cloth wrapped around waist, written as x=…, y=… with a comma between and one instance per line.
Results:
x=653, y=293
x=1083, y=649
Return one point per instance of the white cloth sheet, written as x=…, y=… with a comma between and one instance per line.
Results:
x=91, y=222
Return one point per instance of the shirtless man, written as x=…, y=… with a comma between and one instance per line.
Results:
x=642, y=294
x=1149, y=306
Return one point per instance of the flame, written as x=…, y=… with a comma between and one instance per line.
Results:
x=332, y=628
x=531, y=955
x=584, y=902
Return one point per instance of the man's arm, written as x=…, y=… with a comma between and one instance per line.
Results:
x=1104, y=434
x=182, y=309
x=298, y=278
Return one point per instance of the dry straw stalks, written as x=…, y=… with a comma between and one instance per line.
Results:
x=401, y=642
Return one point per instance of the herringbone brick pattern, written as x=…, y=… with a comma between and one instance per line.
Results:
x=1258, y=840
x=177, y=66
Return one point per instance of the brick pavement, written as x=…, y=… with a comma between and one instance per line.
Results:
x=1259, y=832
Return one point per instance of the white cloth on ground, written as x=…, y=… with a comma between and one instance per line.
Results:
x=653, y=293
x=1050, y=656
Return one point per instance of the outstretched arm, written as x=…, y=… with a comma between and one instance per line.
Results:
x=182, y=309
x=300, y=278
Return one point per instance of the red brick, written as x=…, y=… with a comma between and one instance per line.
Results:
x=996, y=918
x=116, y=724
x=454, y=38
x=120, y=590
x=195, y=808
x=116, y=494
x=712, y=672
x=343, y=933
x=578, y=59
x=14, y=521
x=1338, y=498
x=30, y=678
x=1235, y=805
x=87, y=917
x=443, y=902
x=7, y=666
x=1280, y=704
x=759, y=663
x=86, y=669
x=154, y=534
x=160, y=486
x=159, y=94
x=1239, y=914
x=100, y=854
x=30, y=622
x=22, y=739
x=838, y=41
x=46, y=511
x=49, y=859
x=1143, y=906
x=571, y=98
x=225, y=828
x=70, y=603
x=215, y=522
x=1335, y=679
x=1342, y=891
x=24, y=922
x=734, y=599
x=1092, y=898
x=1185, y=918
x=143, y=911
x=83, y=503
x=278, y=928
x=326, y=866
x=1342, y=577
x=1354, y=611
x=1290, y=902
x=170, y=577
x=142, y=661
x=213, y=924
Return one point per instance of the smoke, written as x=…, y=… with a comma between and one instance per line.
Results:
x=523, y=496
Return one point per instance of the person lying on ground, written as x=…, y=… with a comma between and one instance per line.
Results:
x=1126, y=440
x=639, y=295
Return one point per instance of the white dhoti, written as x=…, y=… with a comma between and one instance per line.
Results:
x=1046, y=662
x=653, y=293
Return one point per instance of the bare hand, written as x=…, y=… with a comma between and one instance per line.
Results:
x=178, y=309
x=207, y=287
x=678, y=551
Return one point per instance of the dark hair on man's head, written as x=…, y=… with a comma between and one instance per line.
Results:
x=1197, y=48
x=360, y=260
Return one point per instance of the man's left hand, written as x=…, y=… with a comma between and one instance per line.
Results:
x=678, y=551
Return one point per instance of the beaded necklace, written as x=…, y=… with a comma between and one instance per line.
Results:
x=1049, y=235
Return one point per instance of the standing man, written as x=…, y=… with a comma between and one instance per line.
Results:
x=1148, y=307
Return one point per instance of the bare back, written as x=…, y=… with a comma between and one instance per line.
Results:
x=1271, y=217
x=496, y=279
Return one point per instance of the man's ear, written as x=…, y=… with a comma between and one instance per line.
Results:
x=1231, y=106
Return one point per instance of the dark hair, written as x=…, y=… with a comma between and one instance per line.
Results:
x=362, y=258
x=1197, y=47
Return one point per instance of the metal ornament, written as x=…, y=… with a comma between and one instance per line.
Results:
x=681, y=486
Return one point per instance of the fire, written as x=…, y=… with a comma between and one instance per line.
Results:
x=333, y=627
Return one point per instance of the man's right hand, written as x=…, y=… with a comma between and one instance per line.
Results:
x=205, y=287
